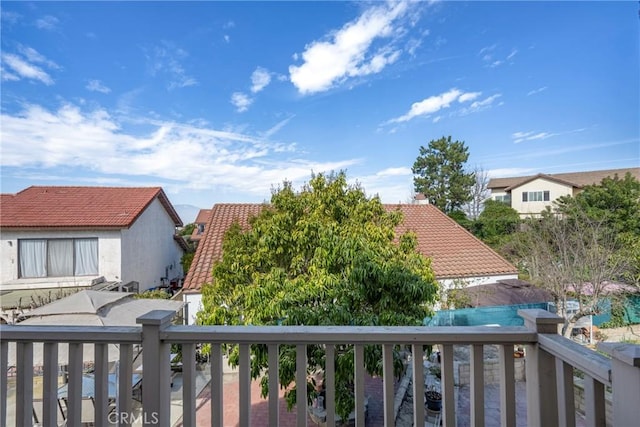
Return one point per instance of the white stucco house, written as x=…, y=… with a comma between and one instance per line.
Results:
x=456, y=255
x=71, y=237
x=530, y=195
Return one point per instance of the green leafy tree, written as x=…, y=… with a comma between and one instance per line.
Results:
x=496, y=223
x=187, y=230
x=439, y=174
x=461, y=218
x=615, y=201
x=186, y=261
x=326, y=255
x=155, y=294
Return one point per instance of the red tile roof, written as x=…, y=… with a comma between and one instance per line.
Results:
x=203, y=216
x=80, y=207
x=455, y=252
x=222, y=216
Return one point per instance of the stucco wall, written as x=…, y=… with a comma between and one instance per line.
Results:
x=474, y=281
x=194, y=304
x=108, y=258
x=149, y=251
x=525, y=208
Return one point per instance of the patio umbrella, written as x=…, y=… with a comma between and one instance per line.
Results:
x=90, y=308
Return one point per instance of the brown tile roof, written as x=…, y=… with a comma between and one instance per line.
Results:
x=577, y=179
x=209, y=250
x=80, y=207
x=454, y=251
x=203, y=216
x=201, y=219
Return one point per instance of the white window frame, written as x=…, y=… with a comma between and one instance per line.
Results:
x=536, y=196
x=42, y=258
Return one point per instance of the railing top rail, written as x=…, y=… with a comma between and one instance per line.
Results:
x=593, y=364
x=350, y=334
x=70, y=334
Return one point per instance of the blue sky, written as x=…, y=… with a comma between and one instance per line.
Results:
x=221, y=101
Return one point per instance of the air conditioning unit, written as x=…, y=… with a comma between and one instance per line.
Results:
x=130, y=287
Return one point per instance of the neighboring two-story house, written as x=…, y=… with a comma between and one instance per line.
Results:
x=201, y=223
x=64, y=237
x=455, y=253
x=530, y=195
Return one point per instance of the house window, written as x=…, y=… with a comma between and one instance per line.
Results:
x=504, y=199
x=535, y=196
x=57, y=257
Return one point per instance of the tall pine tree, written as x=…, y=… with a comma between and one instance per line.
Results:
x=439, y=174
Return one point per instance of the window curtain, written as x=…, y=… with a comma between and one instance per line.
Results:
x=33, y=258
x=60, y=258
x=86, y=252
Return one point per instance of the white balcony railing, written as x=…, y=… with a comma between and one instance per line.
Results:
x=550, y=363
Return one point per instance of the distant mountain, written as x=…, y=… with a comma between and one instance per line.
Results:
x=188, y=213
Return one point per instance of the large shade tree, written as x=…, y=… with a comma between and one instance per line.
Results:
x=326, y=255
x=615, y=202
x=439, y=174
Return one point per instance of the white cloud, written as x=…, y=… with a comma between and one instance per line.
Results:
x=435, y=103
x=276, y=128
x=519, y=137
x=8, y=76
x=538, y=90
x=241, y=101
x=97, y=144
x=97, y=86
x=47, y=22
x=493, y=56
x=530, y=136
x=402, y=171
x=485, y=102
x=32, y=55
x=392, y=185
x=508, y=172
x=469, y=96
x=429, y=105
x=413, y=45
x=10, y=17
x=166, y=59
x=25, y=70
x=260, y=79
x=346, y=53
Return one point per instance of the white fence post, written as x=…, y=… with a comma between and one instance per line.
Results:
x=625, y=367
x=542, y=409
x=156, y=368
